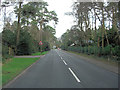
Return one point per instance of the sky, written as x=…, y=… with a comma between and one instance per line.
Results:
x=60, y=7
x=65, y=21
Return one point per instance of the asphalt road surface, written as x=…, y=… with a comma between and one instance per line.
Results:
x=59, y=69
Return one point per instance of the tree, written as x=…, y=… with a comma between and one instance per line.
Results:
x=19, y=26
x=32, y=14
x=92, y=29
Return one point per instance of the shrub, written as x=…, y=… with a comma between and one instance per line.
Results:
x=26, y=44
x=117, y=51
x=107, y=50
x=97, y=51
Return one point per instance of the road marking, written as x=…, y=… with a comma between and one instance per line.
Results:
x=74, y=75
x=64, y=62
x=57, y=53
x=61, y=58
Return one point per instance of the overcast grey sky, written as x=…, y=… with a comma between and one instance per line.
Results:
x=60, y=7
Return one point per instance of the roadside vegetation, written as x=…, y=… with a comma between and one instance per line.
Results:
x=15, y=66
x=102, y=59
x=39, y=53
x=22, y=36
x=97, y=30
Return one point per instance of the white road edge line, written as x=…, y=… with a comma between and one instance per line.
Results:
x=61, y=58
x=74, y=75
x=64, y=62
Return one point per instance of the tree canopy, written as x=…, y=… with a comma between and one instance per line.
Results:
x=22, y=37
x=95, y=30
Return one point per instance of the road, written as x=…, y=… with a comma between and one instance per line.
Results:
x=59, y=69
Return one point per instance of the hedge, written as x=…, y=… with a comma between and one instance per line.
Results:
x=94, y=50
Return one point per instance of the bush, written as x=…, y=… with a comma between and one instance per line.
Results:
x=96, y=50
x=8, y=37
x=117, y=51
x=106, y=51
x=5, y=50
x=91, y=50
x=26, y=44
x=5, y=53
x=45, y=46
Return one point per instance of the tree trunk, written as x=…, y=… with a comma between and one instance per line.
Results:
x=106, y=37
x=98, y=42
x=95, y=25
x=113, y=17
x=103, y=26
x=18, y=27
x=41, y=36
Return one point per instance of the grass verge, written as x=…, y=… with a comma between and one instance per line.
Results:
x=101, y=59
x=39, y=53
x=15, y=66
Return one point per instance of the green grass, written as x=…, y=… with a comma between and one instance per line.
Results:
x=15, y=66
x=102, y=59
x=39, y=53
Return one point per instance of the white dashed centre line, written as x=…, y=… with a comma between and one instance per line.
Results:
x=70, y=69
x=74, y=75
x=64, y=62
